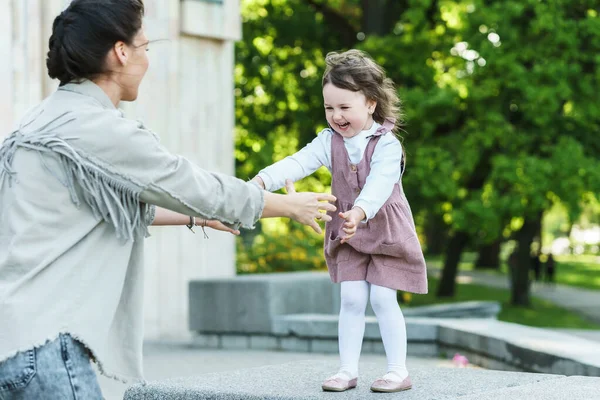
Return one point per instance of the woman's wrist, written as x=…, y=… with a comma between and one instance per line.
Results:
x=166, y=217
x=277, y=205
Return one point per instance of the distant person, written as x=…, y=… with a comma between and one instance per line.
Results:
x=79, y=185
x=550, y=269
x=371, y=246
x=536, y=266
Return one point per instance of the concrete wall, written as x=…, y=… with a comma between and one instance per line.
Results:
x=186, y=97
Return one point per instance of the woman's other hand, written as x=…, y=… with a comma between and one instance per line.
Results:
x=304, y=207
x=310, y=206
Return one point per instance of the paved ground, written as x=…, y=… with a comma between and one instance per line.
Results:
x=582, y=301
x=163, y=361
x=300, y=380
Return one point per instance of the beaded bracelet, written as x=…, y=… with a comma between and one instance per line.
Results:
x=192, y=224
x=203, y=224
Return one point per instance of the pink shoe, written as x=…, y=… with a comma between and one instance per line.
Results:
x=389, y=386
x=339, y=382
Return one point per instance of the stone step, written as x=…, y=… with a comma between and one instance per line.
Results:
x=250, y=304
x=302, y=380
x=465, y=309
x=326, y=326
x=488, y=342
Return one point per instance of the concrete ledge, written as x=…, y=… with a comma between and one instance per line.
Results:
x=326, y=326
x=251, y=304
x=466, y=309
x=302, y=380
x=522, y=347
x=302, y=344
x=486, y=342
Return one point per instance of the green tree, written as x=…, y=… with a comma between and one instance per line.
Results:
x=532, y=118
x=502, y=117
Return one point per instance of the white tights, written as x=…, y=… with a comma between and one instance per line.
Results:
x=351, y=329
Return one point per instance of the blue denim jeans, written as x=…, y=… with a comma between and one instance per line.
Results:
x=60, y=369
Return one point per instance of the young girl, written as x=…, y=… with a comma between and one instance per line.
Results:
x=371, y=245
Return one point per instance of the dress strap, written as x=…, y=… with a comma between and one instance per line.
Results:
x=337, y=149
x=387, y=126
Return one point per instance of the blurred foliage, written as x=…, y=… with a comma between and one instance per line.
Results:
x=501, y=107
x=282, y=248
x=558, y=224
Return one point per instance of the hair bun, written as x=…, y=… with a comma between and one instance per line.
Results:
x=55, y=61
x=85, y=31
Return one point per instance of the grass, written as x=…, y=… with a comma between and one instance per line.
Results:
x=541, y=313
x=467, y=263
x=580, y=271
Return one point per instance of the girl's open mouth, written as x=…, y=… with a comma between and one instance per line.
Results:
x=344, y=126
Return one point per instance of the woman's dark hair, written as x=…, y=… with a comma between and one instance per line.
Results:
x=85, y=31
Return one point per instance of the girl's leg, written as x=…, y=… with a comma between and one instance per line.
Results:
x=351, y=328
x=393, y=330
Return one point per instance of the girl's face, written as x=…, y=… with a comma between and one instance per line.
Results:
x=135, y=66
x=347, y=112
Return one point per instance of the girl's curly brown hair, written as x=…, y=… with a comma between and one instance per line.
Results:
x=354, y=70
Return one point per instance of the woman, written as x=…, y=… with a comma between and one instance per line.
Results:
x=79, y=184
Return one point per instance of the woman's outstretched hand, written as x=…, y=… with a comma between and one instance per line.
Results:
x=218, y=226
x=307, y=208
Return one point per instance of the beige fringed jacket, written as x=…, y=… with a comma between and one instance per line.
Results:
x=78, y=185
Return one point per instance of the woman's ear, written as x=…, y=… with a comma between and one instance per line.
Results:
x=121, y=52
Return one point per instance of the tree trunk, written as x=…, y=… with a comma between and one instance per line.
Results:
x=489, y=256
x=520, y=271
x=436, y=233
x=380, y=16
x=459, y=241
x=345, y=30
x=456, y=245
x=374, y=13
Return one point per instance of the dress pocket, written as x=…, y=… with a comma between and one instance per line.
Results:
x=343, y=253
x=392, y=250
x=406, y=254
x=16, y=372
x=335, y=250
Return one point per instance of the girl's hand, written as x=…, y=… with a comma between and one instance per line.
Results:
x=307, y=207
x=353, y=218
x=218, y=226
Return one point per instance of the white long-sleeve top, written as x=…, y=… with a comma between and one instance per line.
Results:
x=385, y=166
